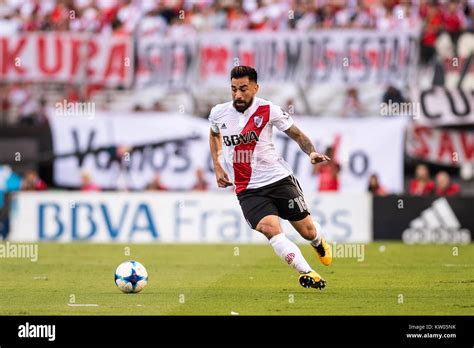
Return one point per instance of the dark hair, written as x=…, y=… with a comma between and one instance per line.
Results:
x=241, y=71
x=371, y=188
x=329, y=151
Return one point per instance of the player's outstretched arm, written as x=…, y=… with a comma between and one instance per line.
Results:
x=305, y=144
x=215, y=143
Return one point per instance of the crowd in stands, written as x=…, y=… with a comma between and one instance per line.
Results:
x=423, y=185
x=177, y=17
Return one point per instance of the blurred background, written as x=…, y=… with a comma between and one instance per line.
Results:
x=112, y=96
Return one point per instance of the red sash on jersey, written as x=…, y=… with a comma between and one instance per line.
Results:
x=243, y=170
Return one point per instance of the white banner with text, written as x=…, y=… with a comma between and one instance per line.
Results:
x=125, y=152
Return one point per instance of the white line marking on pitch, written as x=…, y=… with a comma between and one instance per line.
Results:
x=82, y=305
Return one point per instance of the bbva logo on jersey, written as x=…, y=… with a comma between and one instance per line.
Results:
x=237, y=139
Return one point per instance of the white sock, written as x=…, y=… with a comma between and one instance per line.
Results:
x=289, y=252
x=319, y=234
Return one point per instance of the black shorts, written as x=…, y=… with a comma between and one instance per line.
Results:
x=283, y=198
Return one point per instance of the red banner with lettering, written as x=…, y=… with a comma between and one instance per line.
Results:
x=441, y=146
x=67, y=57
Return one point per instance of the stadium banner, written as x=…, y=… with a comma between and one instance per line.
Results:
x=166, y=61
x=67, y=57
x=327, y=56
x=192, y=217
x=440, y=146
x=454, y=67
x=441, y=106
x=176, y=145
x=422, y=220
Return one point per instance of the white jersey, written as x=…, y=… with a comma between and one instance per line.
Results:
x=249, y=155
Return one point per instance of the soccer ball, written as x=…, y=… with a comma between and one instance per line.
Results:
x=131, y=276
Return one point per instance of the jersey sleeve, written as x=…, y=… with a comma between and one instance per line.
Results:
x=280, y=119
x=213, y=121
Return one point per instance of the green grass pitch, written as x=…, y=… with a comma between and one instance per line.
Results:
x=393, y=279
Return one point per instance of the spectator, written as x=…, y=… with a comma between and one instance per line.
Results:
x=152, y=23
x=32, y=182
x=422, y=184
x=454, y=20
x=406, y=17
x=328, y=173
x=237, y=18
x=86, y=182
x=42, y=114
x=5, y=199
x=432, y=26
x=352, y=104
x=72, y=94
x=304, y=18
x=129, y=15
x=299, y=13
x=59, y=17
x=392, y=99
x=201, y=183
x=394, y=95
x=158, y=106
x=385, y=19
x=326, y=16
x=374, y=186
x=9, y=182
x=9, y=24
x=138, y=108
x=22, y=100
x=4, y=103
x=444, y=187
x=469, y=15
x=361, y=17
x=155, y=184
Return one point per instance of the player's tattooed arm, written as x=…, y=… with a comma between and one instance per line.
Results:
x=302, y=139
x=305, y=144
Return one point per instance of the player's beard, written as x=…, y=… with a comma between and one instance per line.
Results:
x=242, y=107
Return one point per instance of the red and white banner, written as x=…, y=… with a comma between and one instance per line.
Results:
x=165, y=61
x=441, y=146
x=67, y=57
x=330, y=56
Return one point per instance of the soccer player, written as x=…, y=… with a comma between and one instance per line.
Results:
x=264, y=183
